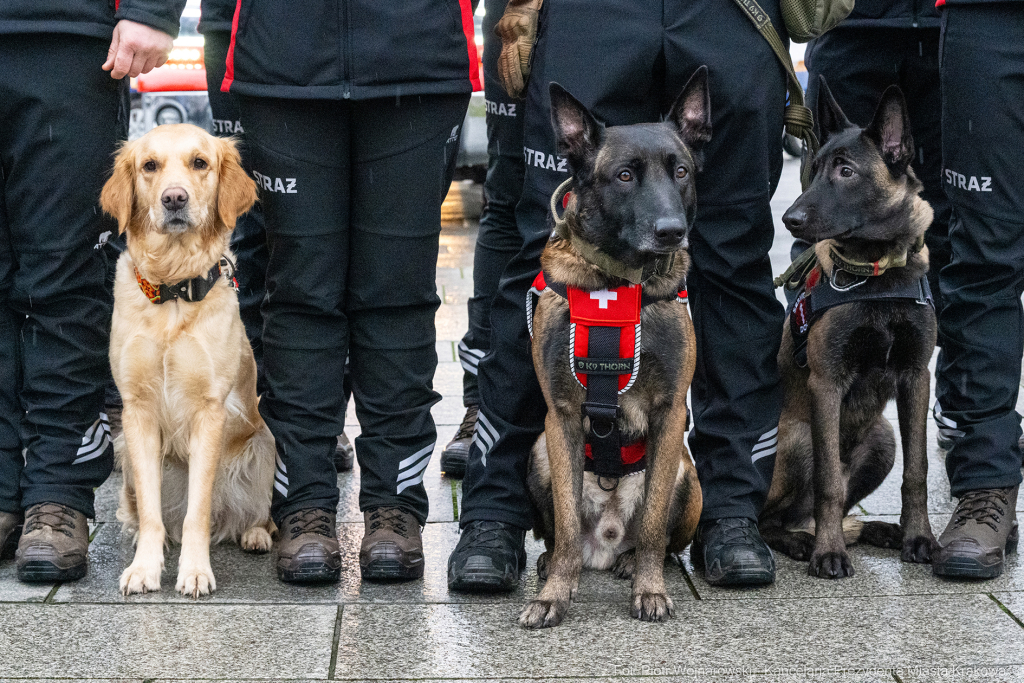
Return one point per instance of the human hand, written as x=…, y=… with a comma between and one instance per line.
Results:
x=136, y=49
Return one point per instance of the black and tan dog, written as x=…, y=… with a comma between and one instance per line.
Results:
x=616, y=265
x=861, y=332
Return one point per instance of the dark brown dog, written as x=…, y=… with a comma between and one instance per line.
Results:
x=632, y=205
x=835, y=447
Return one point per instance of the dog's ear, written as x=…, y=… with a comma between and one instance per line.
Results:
x=831, y=118
x=118, y=195
x=236, y=192
x=890, y=130
x=577, y=131
x=691, y=112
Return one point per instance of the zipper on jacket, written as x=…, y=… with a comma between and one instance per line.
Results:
x=347, y=49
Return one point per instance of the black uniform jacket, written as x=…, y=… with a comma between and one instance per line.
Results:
x=351, y=49
x=94, y=18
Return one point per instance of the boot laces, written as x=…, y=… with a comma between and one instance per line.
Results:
x=493, y=535
x=311, y=521
x=394, y=519
x=736, y=532
x=58, y=517
x=468, y=426
x=985, y=506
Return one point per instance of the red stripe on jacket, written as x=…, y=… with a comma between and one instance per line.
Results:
x=229, y=70
x=474, y=58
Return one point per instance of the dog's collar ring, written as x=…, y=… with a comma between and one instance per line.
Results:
x=857, y=281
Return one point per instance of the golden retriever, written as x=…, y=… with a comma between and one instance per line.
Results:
x=184, y=367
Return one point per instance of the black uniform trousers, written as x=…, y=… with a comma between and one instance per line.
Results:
x=859, y=63
x=249, y=239
x=981, y=324
x=351, y=194
x=62, y=119
x=646, y=52
x=498, y=239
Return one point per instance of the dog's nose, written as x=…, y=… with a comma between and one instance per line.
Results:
x=794, y=218
x=174, y=198
x=669, y=230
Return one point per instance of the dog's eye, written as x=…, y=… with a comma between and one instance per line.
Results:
x=846, y=172
x=681, y=172
x=625, y=176
x=149, y=166
x=199, y=164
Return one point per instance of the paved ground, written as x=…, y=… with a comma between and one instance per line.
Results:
x=890, y=622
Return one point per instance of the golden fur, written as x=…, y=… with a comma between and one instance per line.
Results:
x=185, y=370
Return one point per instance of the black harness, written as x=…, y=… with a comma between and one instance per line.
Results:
x=819, y=293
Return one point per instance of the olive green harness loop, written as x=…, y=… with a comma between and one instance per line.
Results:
x=797, y=117
x=795, y=275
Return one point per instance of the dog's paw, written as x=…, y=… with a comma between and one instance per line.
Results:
x=542, y=565
x=625, y=565
x=257, y=540
x=798, y=545
x=919, y=549
x=830, y=565
x=882, y=535
x=543, y=613
x=141, y=578
x=652, y=607
x=195, y=581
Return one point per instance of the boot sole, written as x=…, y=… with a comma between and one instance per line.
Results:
x=973, y=567
x=390, y=570
x=453, y=467
x=40, y=571
x=476, y=577
x=742, y=576
x=310, y=572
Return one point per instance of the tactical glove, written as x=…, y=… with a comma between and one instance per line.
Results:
x=517, y=29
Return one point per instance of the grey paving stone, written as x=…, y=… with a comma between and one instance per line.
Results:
x=451, y=321
x=599, y=639
x=446, y=351
x=107, y=498
x=448, y=379
x=251, y=579
x=12, y=590
x=64, y=680
x=697, y=676
x=1014, y=602
x=878, y=571
x=456, y=292
x=995, y=673
x=136, y=641
x=448, y=412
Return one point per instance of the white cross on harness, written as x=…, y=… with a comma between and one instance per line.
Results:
x=603, y=296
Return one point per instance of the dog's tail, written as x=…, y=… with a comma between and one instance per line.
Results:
x=853, y=529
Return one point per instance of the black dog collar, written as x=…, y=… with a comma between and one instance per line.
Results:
x=193, y=289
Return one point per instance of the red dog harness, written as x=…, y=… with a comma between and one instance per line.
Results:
x=604, y=340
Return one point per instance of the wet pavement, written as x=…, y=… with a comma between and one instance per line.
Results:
x=890, y=622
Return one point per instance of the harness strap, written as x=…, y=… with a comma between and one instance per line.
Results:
x=820, y=293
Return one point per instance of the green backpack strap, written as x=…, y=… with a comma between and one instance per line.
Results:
x=797, y=117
